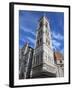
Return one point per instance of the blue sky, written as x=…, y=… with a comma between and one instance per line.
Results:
x=28, y=23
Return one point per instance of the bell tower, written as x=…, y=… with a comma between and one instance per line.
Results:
x=43, y=60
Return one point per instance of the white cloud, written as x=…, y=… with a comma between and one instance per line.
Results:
x=57, y=36
x=56, y=43
x=31, y=40
x=28, y=30
x=56, y=46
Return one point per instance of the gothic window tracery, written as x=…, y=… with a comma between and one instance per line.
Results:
x=37, y=43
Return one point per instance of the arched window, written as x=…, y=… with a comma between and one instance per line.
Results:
x=40, y=41
x=37, y=43
x=48, y=42
x=46, y=24
x=60, y=61
x=41, y=24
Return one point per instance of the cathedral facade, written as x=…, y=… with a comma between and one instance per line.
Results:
x=41, y=61
x=25, y=61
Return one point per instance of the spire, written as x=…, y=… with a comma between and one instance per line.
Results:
x=26, y=42
x=44, y=14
